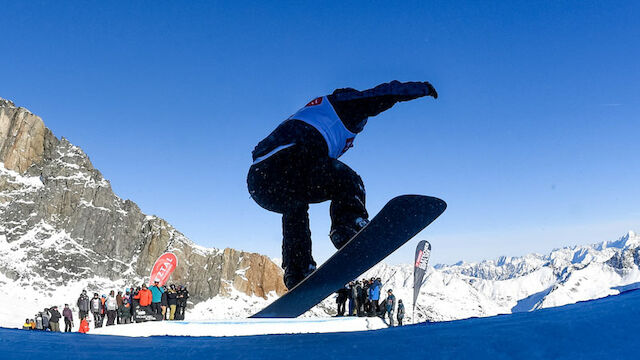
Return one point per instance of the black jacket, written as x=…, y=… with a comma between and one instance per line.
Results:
x=163, y=300
x=55, y=316
x=352, y=106
x=172, y=297
x=343, y=294
x=83, y=302
x=183, y=295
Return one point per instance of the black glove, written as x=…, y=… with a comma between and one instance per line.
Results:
x=431, y=90
x=413, y=90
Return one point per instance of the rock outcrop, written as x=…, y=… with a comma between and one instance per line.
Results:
x=60, y=221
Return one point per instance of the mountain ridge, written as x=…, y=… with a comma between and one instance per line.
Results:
x=61, y=222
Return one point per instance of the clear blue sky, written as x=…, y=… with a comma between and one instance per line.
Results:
x=533, y=142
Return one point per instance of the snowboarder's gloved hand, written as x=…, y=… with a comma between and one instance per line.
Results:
x=412, y=90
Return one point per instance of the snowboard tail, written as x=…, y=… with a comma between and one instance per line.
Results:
x=400, y=219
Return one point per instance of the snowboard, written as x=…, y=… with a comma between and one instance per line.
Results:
x=399, y=220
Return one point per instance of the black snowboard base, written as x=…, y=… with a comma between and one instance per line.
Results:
x=399, y=220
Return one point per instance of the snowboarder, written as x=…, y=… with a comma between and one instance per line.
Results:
x=297, y=165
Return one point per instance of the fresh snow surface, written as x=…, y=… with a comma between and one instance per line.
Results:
x=599, y=329
x=243, y=327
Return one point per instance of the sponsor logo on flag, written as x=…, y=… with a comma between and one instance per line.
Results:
x=163, y=268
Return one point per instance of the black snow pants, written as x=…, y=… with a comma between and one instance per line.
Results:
x=97, y=319
x=341, y=308
x=290, y=179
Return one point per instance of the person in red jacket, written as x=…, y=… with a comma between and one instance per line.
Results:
x=84, y=325
x=144, y=295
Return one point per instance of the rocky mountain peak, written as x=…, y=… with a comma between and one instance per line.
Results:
x=6, y=103
x=60, y=222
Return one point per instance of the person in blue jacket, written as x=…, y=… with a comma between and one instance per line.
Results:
x=156, y=297
x=297, y=165
x=390, y=304
x=374, y=296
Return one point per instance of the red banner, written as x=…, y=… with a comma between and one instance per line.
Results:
x=163, y=268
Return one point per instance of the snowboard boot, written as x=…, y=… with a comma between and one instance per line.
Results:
x=294, y=275
x=341, y=234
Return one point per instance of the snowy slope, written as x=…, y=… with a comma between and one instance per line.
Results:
x=600, y=329
x=244, y=327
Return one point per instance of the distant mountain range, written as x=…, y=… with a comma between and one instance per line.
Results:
x=62, y=229
x=502, y=286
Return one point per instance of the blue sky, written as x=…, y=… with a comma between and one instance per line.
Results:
x=533, y=142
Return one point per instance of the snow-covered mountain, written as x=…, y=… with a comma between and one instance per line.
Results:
x=516, y=284
x=502, y=286
x=62, y=229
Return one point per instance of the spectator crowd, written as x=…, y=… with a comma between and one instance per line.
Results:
x=124, y=307
x=364, y=300
x=169, y=303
